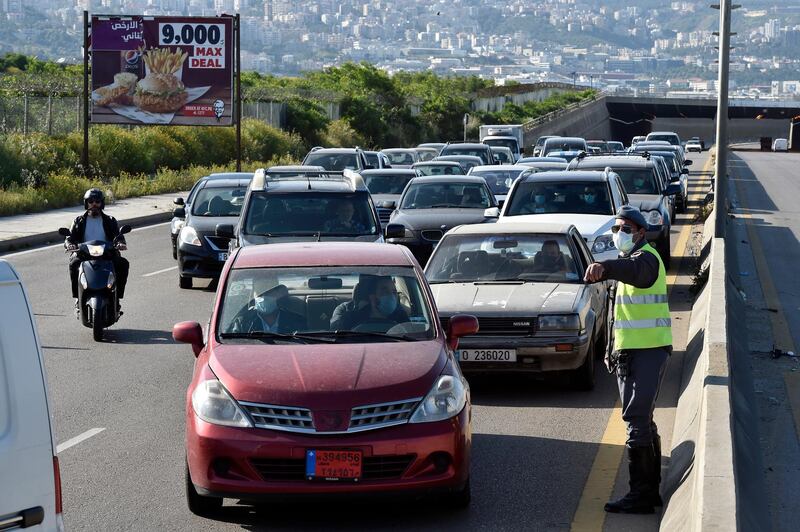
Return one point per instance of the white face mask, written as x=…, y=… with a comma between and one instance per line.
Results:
x=623, y=241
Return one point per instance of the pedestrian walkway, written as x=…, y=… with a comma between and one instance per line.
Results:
x=26, y=230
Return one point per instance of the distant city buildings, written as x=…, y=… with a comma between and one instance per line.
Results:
x=618, y=47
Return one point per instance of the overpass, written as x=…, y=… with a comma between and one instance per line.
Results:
x=623, y=117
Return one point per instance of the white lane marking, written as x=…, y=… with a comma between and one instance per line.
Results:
x=51, y=246
x=160, y=271
x=60, y=448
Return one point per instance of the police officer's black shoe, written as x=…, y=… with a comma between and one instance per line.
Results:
x=639, y=498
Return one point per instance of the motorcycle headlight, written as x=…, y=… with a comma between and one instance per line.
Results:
x=189, y=236
x=84, y=284
x=176, y=225
x=603, y=243
x=96, y=250
x=445, y=400
x=212, y=403
x=654, y=218
x=559, y=322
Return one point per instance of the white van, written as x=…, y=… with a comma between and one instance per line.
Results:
x=30, y=483
x=780, y=145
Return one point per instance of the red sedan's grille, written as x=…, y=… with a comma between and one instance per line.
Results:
x=294, y=469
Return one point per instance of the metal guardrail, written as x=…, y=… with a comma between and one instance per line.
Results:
x=539, y=120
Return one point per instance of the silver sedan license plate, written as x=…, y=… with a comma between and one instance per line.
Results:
x=487, y=355
x=223, y=257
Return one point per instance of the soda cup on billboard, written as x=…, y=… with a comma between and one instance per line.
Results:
x=131, y=61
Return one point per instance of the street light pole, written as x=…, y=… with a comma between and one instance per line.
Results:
x=721, y=164
x=466, y=119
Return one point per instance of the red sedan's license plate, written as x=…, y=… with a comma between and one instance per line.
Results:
x=333, y=465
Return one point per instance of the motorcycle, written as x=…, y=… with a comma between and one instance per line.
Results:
x=98, y=306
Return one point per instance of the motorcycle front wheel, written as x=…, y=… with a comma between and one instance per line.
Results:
x=97, y=326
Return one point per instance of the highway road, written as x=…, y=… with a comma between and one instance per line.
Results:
x=766, y=232
x=544, y=457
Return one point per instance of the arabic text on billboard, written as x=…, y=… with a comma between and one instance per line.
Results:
x=162, y=70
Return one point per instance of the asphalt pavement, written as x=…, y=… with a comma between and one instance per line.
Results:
x=536, y=442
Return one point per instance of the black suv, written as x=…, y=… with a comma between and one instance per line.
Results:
x=484, y=151
x=645, y=189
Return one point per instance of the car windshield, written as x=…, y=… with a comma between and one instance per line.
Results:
x=670, y=159
x=219, y=201
x=550, y=197
x=400, y=157
x=669, y=138
x=517, y=257
x=615, y=146
x=564, y=145
x=638, y=180
x=566, y=155
x=372, y=159
x=446, y=195
x=387, y=183
x=439, y=169
x=427, y=154
x=333, y=162
x=366, y=302
x=499, y=181
x=511, y=144
x=475, y=152
x=310, y=213
x=502, y=156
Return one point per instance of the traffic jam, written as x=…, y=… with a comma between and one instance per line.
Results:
x=357, y=294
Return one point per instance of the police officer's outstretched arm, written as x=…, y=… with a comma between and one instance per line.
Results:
x=639, y=269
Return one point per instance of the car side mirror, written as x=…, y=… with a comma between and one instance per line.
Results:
x=189, y=332
x=125, y=229
x=179, y=212
x=491, y=212
x=672, y=190
x=179, y=201
x=684, y=170
x=687, y=162
x=460, y=325
x=63, y=231
x=388, y=204
x=395, y=231
x=224, y=230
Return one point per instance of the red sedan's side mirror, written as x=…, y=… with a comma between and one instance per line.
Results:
x=189, y=332
x=460, y=325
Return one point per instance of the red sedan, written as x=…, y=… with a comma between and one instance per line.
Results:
x=325, y=370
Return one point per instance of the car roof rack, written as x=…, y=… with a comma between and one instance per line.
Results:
x=262, y=178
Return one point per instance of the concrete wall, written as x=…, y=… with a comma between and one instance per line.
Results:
x=590, y=121
x=739, y=129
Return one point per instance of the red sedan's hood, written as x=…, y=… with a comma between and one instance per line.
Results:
x=331, y=377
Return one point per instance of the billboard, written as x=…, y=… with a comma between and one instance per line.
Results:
x=162, y=70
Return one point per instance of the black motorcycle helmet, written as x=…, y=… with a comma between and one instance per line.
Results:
x=94, y=194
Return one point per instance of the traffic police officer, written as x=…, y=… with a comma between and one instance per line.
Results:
x=642, y=343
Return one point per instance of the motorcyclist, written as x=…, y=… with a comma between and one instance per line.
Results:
x=94, y=224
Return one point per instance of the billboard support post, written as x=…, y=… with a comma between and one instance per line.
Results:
x=85, y=153
x=238, y=30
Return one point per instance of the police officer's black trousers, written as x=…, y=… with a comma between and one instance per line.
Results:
x=121, y=267
x=638, y=391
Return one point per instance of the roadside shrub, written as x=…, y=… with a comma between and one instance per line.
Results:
x=10, y=164
x=306, y=118
x=115, y=150
x=340, y=133
x=261, y=142
x=218, y=145
x=163, y=150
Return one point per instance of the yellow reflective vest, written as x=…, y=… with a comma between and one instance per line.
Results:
x=641, y=315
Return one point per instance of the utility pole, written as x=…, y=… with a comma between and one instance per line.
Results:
x=466, y=119
x=721, y=166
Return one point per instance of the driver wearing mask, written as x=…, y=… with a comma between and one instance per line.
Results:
x=591, y=201
x=94, y=224
x=265, y=315
x=540, y=204
x=384, y=307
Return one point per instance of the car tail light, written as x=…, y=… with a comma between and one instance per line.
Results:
x=57, y=478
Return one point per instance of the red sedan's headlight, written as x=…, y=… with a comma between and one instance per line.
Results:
x=445, y=400
x=213, y=404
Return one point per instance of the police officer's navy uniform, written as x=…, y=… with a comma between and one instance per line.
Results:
x=642, y=344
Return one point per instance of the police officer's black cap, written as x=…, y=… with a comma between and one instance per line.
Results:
x=632, y=214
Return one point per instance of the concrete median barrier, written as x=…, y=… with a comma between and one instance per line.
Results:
x=715, y=476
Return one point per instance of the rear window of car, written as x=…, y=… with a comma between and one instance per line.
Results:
x=475, y=152
x=387, y=183
x=521, y=257
x=511, y=144
x=551, y=197
x=310, y=214
x=672, y=139
x=400, y=157
x=333, y=162
x=499, y=181
x=638, y=180
x=564, y=145
x=439, y=170
x=324, y=299
x=446, y=195
x=219, y=201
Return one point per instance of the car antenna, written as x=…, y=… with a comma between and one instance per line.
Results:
x=308, y=179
